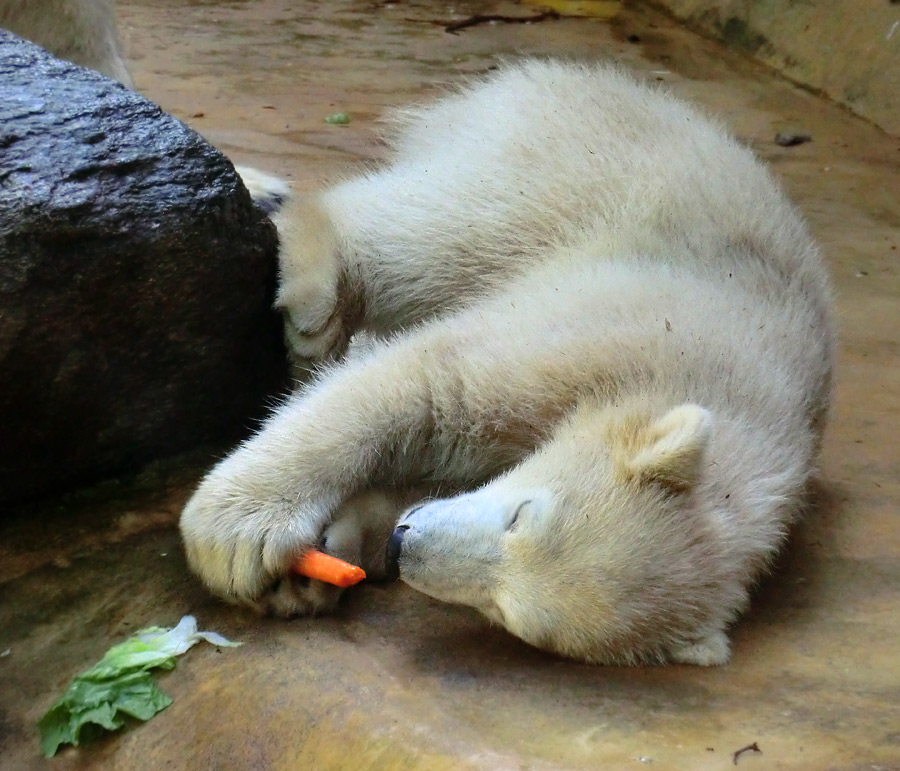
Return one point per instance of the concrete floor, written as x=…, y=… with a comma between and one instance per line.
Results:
x=396, y=680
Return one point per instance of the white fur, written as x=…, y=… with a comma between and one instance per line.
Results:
x=267, y=191
x=608, y=344
x=81, y=31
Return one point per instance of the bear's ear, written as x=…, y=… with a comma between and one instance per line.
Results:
x=670, y=450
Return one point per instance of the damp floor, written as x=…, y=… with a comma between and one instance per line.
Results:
x=395, y=680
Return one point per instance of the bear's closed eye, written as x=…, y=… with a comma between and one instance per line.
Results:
x=513, y=520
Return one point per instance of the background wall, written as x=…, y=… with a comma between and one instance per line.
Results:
x=848, y=49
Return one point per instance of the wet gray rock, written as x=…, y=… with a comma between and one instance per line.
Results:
x=136, y=281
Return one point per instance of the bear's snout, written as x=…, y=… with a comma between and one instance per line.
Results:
x=392, y=554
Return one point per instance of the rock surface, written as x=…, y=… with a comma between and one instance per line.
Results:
x=136, y=278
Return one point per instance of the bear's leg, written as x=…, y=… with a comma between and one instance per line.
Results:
x=411, y=242
x=321, y=310
x=405, y=412
x=365, y=256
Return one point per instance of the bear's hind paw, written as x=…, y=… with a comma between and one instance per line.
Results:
x=268, y=193
x=710, y=651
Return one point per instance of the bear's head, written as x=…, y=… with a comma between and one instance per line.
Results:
x=599, y=546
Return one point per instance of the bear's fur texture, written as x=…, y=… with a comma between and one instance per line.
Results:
x=80, y=31
x=604, y=349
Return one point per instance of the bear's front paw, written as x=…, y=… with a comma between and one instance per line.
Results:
x=310, y=293
x=243, y=546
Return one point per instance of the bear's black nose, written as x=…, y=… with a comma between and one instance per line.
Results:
x=392, y=555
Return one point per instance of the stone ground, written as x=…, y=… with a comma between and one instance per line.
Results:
x=396, y=680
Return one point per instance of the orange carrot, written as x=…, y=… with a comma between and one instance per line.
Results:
x=331, y=570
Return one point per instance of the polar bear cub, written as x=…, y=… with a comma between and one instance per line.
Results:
x=603, y=359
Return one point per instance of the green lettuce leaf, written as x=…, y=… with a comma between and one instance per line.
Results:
x=120, y=685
